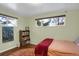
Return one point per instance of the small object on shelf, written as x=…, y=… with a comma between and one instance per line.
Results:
x=24, y=36
x=26, y=28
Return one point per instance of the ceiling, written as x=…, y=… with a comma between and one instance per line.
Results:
x=31, y=9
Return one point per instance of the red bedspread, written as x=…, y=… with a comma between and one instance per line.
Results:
x=42, y=48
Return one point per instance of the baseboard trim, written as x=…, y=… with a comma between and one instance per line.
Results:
x=34, y=43
x=8, y=49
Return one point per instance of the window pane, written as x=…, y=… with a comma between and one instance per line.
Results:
x=38, y=23
x=51, y=21
x=54, y=21
x=61, y=20
x=7, y=21
x=46, y=22
x=7, y=34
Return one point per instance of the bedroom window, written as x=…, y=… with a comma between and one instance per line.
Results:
x=6, y=20
x=51, y=21
x=8, y=23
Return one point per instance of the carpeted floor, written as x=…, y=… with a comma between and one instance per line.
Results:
x=23, y=52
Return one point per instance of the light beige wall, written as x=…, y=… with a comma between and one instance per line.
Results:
x=68, y=32
x=21, y=25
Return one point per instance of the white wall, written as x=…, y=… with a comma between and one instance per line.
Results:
x=68, y=32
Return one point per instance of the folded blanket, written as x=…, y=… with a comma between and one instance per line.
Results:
x=42, y=48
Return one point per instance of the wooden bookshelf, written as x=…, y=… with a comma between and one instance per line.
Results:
x=24, y=37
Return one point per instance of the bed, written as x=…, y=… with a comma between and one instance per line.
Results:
x=58, y=48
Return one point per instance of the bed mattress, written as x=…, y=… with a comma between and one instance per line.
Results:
x=62, y=48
